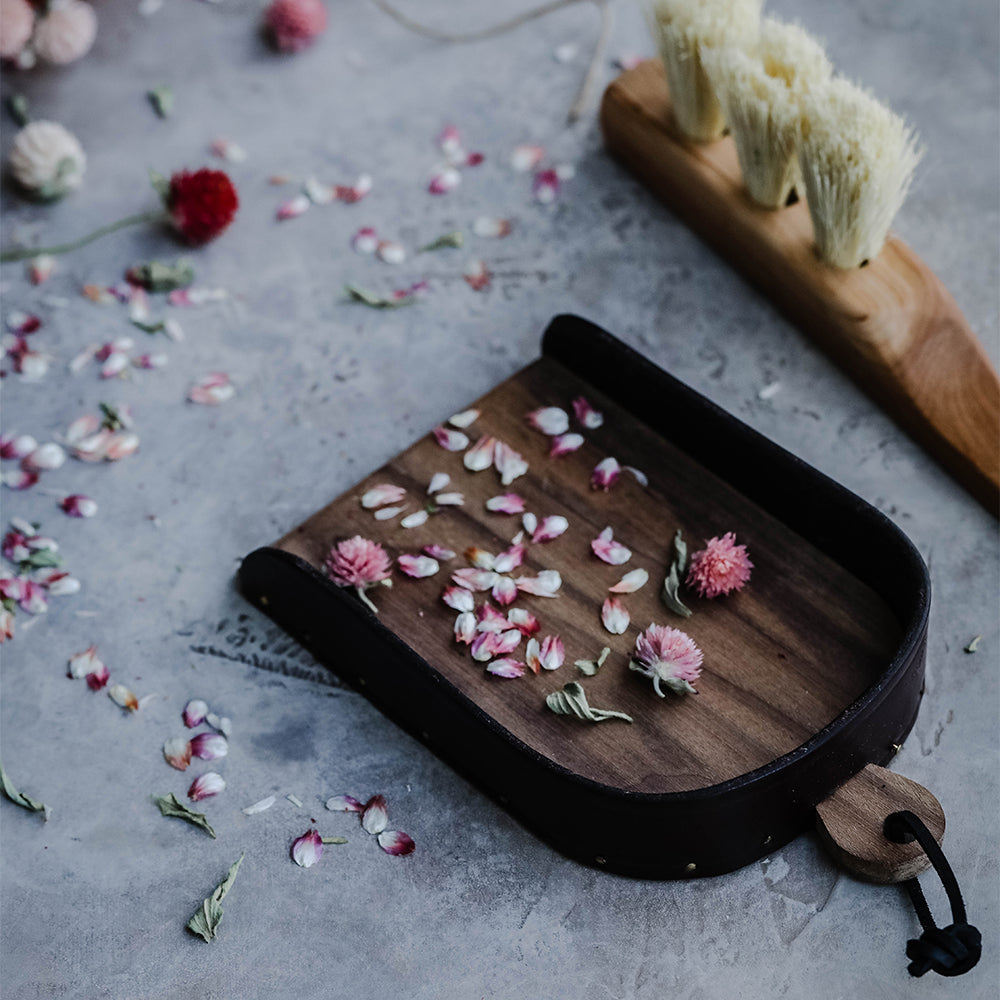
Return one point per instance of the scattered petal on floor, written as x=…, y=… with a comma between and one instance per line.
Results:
x=122, y=696
x=293, y=208
x=631, y=582
x=586, y=414
x=307, y=849
x=480, y=455
x=209, y=746
x=640, y=477
x=510, y=559
x=564, y=444
x=465, y=627
x=418, y=567
x=458, y=598
x=451, y=440
x=439, y=552
x=546, y=187
x=509, y=463
x=464, y=419
x=525, y=158
x=390, y=252
x=438, y=482
x=388, y=513
x=550, y=527
x=375, y=815
x=212, y=389
x=206, y=785
x=177, y=752
x=365, y=241
x=344, y=803
x=614, y=616
x=608, y=550
x=506, y=503
x=444, y=181
x=606, y=473
x=506, y=667
x=396, y=843
x=491, y=228
x=81, y=664
x=258, y=807
x=474, y=579
x=477, y=275
x=551, y=420
x=546, y=584
x=449, y=499
x=414, y=520
x=379, y=496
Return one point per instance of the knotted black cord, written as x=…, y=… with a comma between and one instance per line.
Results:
x=951, y=950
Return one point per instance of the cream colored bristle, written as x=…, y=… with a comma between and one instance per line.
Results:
x=682, y=28
x=858, y=159
x=759, y=94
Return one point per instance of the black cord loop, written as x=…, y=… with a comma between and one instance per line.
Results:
x=951, y=950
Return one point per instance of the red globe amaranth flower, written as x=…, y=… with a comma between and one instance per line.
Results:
x=201, y=204
x=295, y=24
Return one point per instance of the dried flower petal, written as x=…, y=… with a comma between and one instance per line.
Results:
x=365, y=241
x=614, y=616
x=439, y=552
x=444, y=181
x=17, y=445
x=510, y=559
x=572, y=700
x=669, y=656
x=438, y=482
x=177, y=752
x=506, y=503
x=382, y=494
x=459, y=598
x=529, y=523
x=205, y=785
x=550, y=527
x=546, y=584
x=586, y=414
x=720, y=568
x=464, y=419
x=122, y=696
x=474, y=579
x=606, y=473
x=396, y=843
x=78, y=505
x=547, y=655
x=477, y=275
x=375, y=815
x=293, y=208
x=631, y=582
x=390, y=252
x=509, y=463
x=258, y=807
x=388, y=513
x=480, y=455
x=483, y=646
x=640, y=477
x=465, y=627
x=212, y=389
x=551, y=420
x=506, y=667
x=524, y=621
x=608, y=550
x=307, y=849
x=41, y=268
x=564, y=444
x=491, y=227
x=450, y=499
x=590, y=667
x=222, y=723
x=451, y=440
x=344, y=803
x=525, y=158
x=545, y=187
x=194, y=713
x=418, y=567
x=504, y=590
x=19, y=479
x=81, y=664
x=414, y=520
x=98, y=677
x=488, y=619
x=209, y=746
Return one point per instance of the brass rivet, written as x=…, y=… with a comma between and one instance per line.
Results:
x=263, y=601
x=601, y=861
x=896, y=747
x=690, y=866
x=767, y=839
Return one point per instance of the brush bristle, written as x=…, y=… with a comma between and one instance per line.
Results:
x=857, y=159
x=759, y=94
x=682, y=28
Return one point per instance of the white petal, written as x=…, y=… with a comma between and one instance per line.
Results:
x=549, y=420
x=464, y=419
x=382, y=494
x=414, y=520
x=630, y=582
x=509, y=463
x=480, y=455
x=376, y=815
x=529, y=522
x=259, y=807
x=388, y=513
x=438, y=482
x=450, y=499
x=614, y=616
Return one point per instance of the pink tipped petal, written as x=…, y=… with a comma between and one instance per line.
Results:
x=722, y=567
x=379, y=496
x=81, y=664
x=480, y=558
x=390, y=252
x=504, y=591
x=122, y=696
x=506, y=667
x=488, y=619
x=206, y=785
x=545, y=187
x=177, y=752
x=510, y=559
x=120, y=445
x=465, y=627
x=78, y=505
x=209, y=746
x=477, y=275
x=365, y=241
x=33, y=598
x=307, y=849
x=194, y=713
x=396, y=843
x=614, y=616
x=474, y=579
x=550, y=527
x=608, y=550
x=450, y=499
x=631, y=582
x=506, y=642
x=451, y=440
x=438, y=482
x=506, y=503
x=94, y=447
x=293, y=208
x=549, y=420
x=552, y=653
x=509, y=463
x=524, y=620
x=546, y=584
x=491, y=228
x=17, y=445
x=532, y=656
x=19, y=479
x=606, y=473
x=464, y=419
x=344, y=803
x=98, y=677
x=41, y=268
x=414, y=520
x=22, y=323
x=525, y=158
x=44, y=458
x=483, y=646
x=444, y=181
x=565, y=444
x=586, y=414
x=212, y=389
x=439, y=552
x=458, y=598
x=59, y=583
x=418, y=567
x=375, y=815
x=480, y=455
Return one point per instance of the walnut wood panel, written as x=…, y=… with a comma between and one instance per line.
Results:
x=850, y=824
x=783, y=658
x=891, y=325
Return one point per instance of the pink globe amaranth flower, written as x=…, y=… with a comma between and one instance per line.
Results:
x=66, y=32
x=294, y=24
x=358, y=562
x=669, y=656
x=720, y=568
x=17, y=20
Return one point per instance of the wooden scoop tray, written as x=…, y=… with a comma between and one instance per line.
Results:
x=811, y=672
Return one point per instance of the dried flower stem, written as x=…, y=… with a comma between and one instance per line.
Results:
x=130, y=220
x=583, y=94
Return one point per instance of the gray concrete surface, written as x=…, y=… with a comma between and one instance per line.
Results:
x=94, y=903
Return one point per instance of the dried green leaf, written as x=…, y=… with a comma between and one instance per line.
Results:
x=455, y=239
x=590, y=667
x=162, y=99
x=112, y=419
x=170, y=805
x=41, y=559
x=356, y=294
x=973, y=644
x=206, y=920
x=333, y=840
x=572, y=700
x=672, y=584
x=17, y=107
x=159, y=277
x=150, y=327
x=19, y=798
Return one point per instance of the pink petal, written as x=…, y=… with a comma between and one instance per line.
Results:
x=450, y=139
x=450, y=440
x=98, y=677
x=293, y=208
x=33, y=598
x=44, y=458
x=608, y=550
x=506, y=642
x=546, y=584
x=41, y=268
x=344, y=803
x=414, y=520
x=390, y=252
x=209, y=746
x=19, y=479
x=81, y=428
x=465, y=627
x=483, y=646
x=524, y=620
x=480, y=455
x=488, y=619
x=504, y=590
x=226, y=149
x=365, y=240
x=474, y=579
x=177, y=752
x=506, y=503
x=122, y=696
x=150, y=361
x=552, y=653
x=444, y=181
x=212, y=389
x=17, y=445
x=194, y=713
x=78, y=505
x=525, y=158
x=614, y=616
x=379, y=496
x=508, y=463
x=477, y=275
x=22, y=323
x=630, y=582
x=439, y=552
x=564, y=444
x=549, y=420
x=586, y=414
x=116, y=363
x=396, y=843
x=120, y=445
x=506, y=667
x=206, y=785
x=375, y=815
x=307, y=849
x=510, y=559
x=605, y=474
x=354, y=192
x=545, y=187
x=551, y=527
x=532, y=655
x=464, y=419
x=458, y=598
x=491, y=227
x=81, y=664
x=480, y=558
x=418, y=567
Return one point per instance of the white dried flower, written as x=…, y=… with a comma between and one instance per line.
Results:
x=66, y=32
x=46, y=160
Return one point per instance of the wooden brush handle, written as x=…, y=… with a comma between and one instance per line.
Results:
x=891, y=325
x=850, y=823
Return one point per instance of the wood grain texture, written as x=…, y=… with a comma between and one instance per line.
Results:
x=783, y=658
x=850, y=824
x=891, y=325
